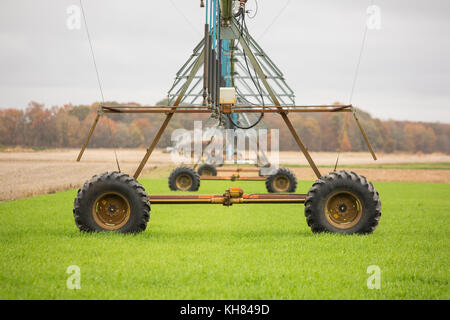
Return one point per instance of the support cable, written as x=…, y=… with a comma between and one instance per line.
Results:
x=355, y=78
x=196, y=31
x=274, y=20
x=256, y=11
x=358, y=63
x=99, y=83
x=257, y=84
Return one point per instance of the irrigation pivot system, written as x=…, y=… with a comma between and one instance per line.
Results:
x=339, y=202
x=280, y=180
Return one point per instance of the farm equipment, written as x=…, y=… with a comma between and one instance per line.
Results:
x=185, y=178
x=339, y=202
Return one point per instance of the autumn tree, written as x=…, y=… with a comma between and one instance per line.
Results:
x=345, y=144
x=12, y=127
x=67, y=126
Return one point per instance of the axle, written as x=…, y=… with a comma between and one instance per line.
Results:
x=238, y=169
x=234, y=177
x=234, y=195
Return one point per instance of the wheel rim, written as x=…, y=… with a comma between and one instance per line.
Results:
x=111, y=211
x=184, y=182
x=343, y=210
x=281, y=183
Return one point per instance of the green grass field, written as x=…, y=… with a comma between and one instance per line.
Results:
x=215, y=252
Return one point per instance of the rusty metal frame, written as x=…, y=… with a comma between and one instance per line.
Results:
x=230, y=197
x=238, y=169
x=234, y=177
x=236, y=174
x=191, y=67
x=171, y=110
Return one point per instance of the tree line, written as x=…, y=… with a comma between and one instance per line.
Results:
x=68, y=126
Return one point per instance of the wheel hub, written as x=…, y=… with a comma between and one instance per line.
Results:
x=343, y=210
x=184, y=182
x=111, y=211
x=281, y=184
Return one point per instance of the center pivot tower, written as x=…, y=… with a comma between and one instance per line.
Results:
x=338, y=202
x=229, y=57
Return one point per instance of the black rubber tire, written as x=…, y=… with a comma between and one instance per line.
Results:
x=184, y=170
x=116, y=182
x=209, y=167
x=345, y=181
x=285, y=173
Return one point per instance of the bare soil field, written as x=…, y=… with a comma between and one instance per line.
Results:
x=26, y=173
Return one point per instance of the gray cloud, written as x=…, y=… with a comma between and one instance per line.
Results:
x=139, y=45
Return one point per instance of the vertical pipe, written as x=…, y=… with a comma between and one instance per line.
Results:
x=213, y=77
x=205, y=64
x=218, y=72
x=225, y=61
x=211, y=16
x=210, y=64
x=206, y=12
x=219, y=53
x=232, y=69
x=215, y=26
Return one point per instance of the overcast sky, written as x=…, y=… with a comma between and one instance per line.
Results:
x=140, y=44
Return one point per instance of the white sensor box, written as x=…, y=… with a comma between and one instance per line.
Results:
x=227, y=95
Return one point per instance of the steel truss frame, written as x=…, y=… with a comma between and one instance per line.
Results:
x=189, y=73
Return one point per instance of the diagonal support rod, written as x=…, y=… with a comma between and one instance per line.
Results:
x=91, y=131
x=275, y=100
x=363, y=132
x=169, y=116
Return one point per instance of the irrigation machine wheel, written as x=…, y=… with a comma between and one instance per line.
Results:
x=283, y=180
x=207, y=170
x=112, y=201
x=343, y=202
x=184, y=179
